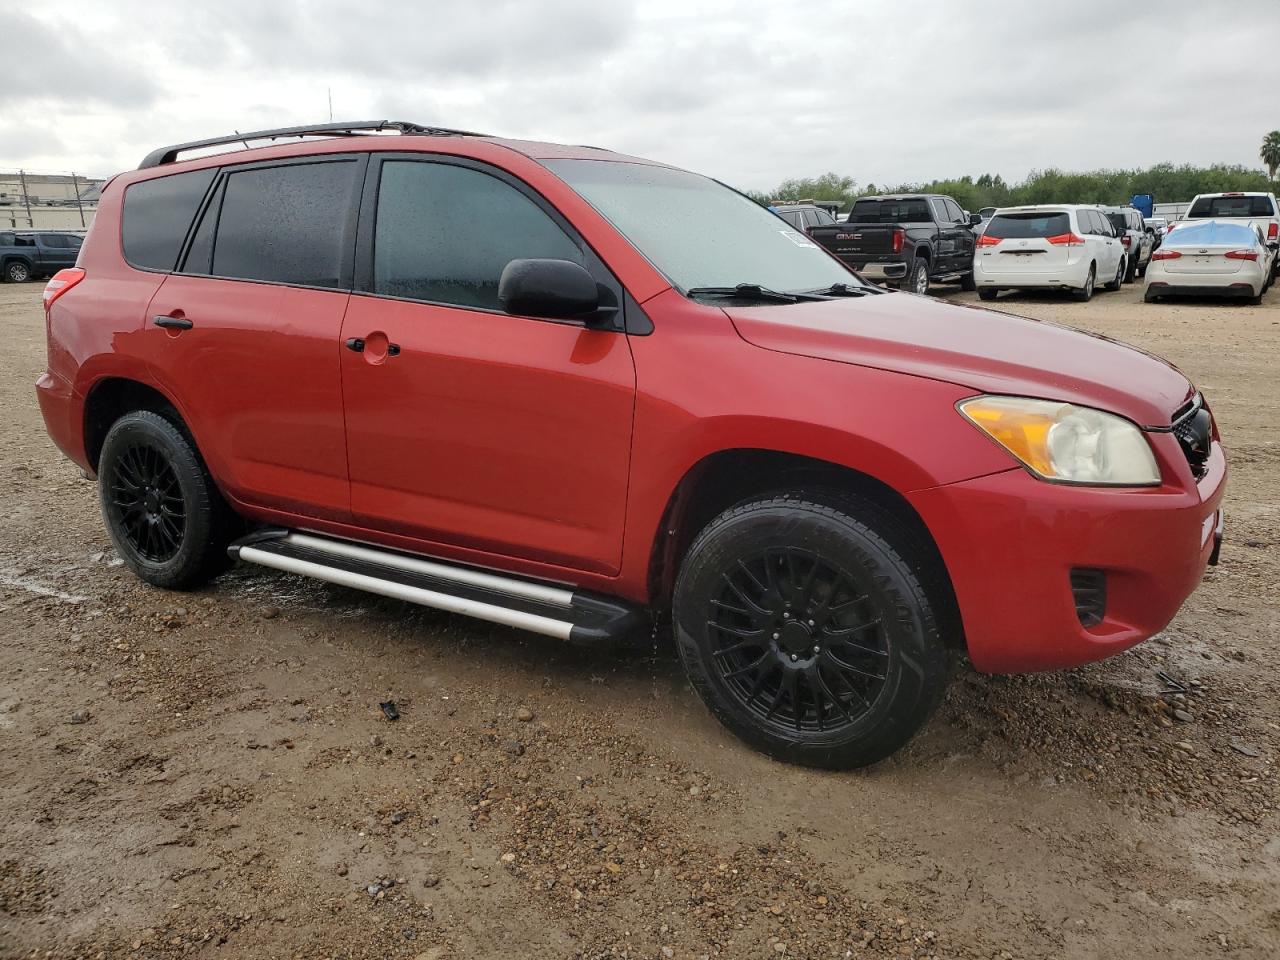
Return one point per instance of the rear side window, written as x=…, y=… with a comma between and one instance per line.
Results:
x=284, y=224
x=6, y=239
x=157, y=214
x=444, y=233
x=890, y=211
x=1232, y=207
x=1119, y=221
x=1022, y=226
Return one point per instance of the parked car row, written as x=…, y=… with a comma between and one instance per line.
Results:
x=913, y=240
x=35, y=255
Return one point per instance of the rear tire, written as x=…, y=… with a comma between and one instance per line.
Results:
x=1085, y=293
x=1131, y=271
x=162, y=510
x=1149, y=297
x=805, y=628
x=919, y=282
x=15, y=271
x=987, y=293
x=967, y=282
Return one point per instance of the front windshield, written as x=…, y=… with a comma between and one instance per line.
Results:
x=699, y=233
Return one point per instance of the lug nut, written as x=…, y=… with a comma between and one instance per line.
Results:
x=777, y=636
x=817, y=649
x=785, y=615
x=794, y=658
x=811, y=623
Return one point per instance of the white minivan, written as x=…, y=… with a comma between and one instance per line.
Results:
x=1048, y=247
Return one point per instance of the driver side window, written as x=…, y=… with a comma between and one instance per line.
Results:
x=443, y=234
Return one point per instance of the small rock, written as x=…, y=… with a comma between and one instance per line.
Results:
x=80, y=716
x=1186, y=746
x=270, y=613
x=1182, y=716
x=399, y=816
x=668, y=952
x=524, y=714
x=430, y=880
x=514, y=747
x=508, y=858
x=340, y=869
x=1244, y=748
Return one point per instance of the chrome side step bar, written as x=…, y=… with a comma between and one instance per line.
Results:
x=551, y=610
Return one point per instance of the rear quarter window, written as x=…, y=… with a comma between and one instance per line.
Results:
x=1023, y=226
x=157, y=214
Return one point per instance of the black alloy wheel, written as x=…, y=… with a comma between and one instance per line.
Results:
x=797, y=641
x=147, y=502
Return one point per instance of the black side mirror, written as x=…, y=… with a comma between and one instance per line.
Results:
x=554, y=289
x=975, y=219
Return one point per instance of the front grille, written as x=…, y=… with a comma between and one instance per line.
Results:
x=1089, y=590
x=1193, y=428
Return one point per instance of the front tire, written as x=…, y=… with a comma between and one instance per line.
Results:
x=1131, y=272
x=163, y=511
x=805, y=628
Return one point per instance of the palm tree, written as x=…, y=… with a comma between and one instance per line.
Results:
x=1270, y=152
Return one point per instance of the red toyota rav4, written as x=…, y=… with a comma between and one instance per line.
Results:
x=553, y=387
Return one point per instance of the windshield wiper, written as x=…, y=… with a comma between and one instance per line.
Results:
x=845, y=290
x=752, y=291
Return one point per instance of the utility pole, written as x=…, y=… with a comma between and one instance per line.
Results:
x=75, y=185
x=331, y=104
x=26, y=197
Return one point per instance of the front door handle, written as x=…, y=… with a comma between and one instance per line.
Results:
x=173, y=323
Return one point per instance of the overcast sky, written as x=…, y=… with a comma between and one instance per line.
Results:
x=750, y=92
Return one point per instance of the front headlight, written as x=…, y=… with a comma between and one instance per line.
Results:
x=1066, y=443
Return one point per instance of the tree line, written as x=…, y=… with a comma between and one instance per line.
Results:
x=1167, y=182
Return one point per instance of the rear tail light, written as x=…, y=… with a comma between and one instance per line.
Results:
x=1169, y=228
x=985, y=241
x=899, y=237
x=1273, y=230
x=1126, y=240
x=1166, y=255
x=1241, y=254
x=60, y=283
x=1066, y=240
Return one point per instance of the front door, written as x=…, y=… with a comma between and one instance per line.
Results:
x=467, y=426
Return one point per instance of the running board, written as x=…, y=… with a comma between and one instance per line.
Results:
x=548, y=609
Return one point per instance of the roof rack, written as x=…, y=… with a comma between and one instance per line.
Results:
x=163, y=155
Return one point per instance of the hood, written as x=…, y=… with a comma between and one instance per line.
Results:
x=987, y=351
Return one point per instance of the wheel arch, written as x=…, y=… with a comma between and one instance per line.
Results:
x=112, y=397
x=727, y=477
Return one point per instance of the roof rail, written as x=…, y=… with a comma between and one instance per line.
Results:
x=163, y=155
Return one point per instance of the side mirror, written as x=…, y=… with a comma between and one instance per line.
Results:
x=975, y=219
x=553, y=289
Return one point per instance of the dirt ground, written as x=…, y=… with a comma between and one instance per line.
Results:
x=210, y=775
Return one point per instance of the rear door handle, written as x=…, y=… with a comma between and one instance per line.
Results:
x=173, y=323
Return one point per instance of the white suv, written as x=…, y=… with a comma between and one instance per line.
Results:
x=1048, y=247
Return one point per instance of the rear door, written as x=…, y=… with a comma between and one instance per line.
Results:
x=962, y=261
x=246, y=335
x=469, y=427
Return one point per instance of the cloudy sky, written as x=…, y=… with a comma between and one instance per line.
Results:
x=750, y=92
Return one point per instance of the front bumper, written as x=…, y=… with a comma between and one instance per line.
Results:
x=1010, y=542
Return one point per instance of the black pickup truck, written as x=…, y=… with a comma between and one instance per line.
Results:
x=29, y=254
x=907, y=240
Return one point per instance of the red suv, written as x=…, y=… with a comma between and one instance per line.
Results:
x=556, y=387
